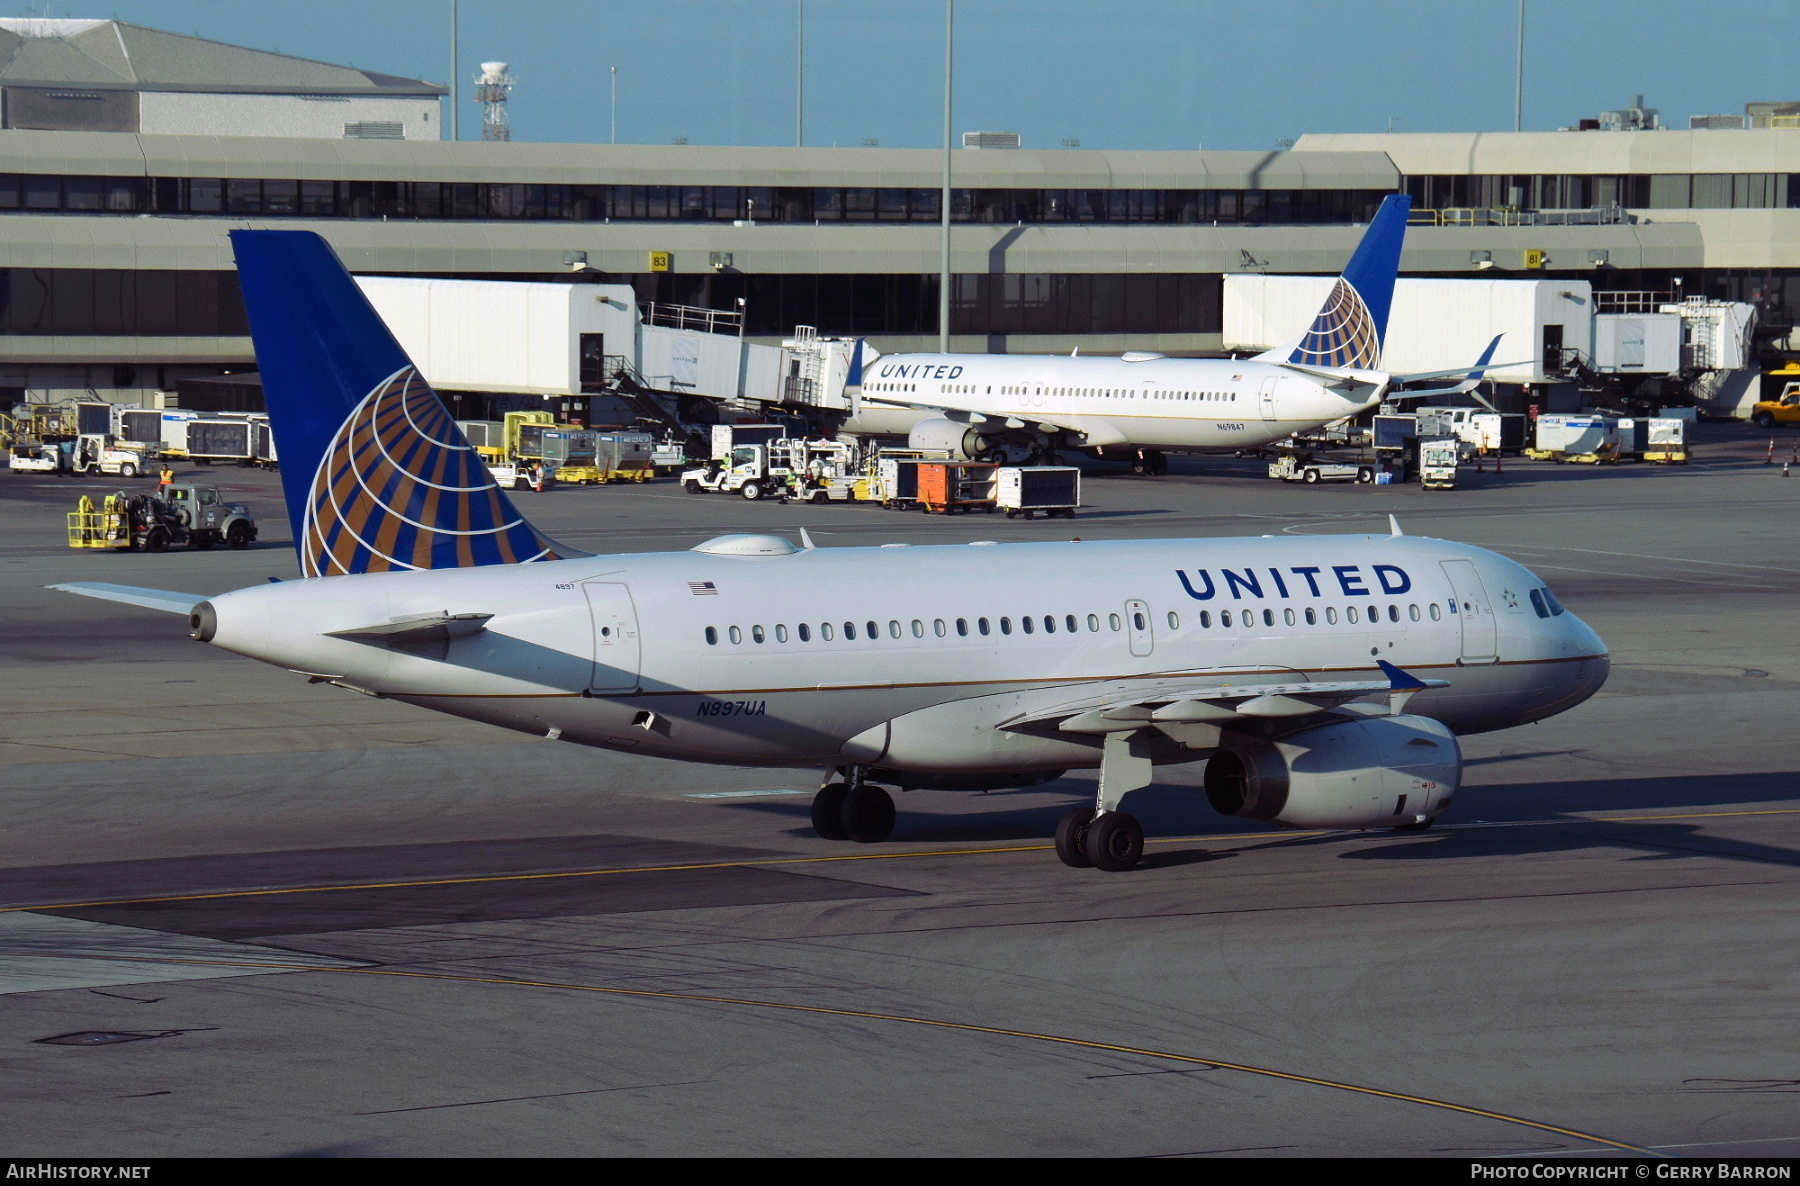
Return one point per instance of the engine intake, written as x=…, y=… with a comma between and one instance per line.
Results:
x=1367, y=773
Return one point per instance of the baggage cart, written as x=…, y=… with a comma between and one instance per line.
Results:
x=947, y=487
x=1030, y=489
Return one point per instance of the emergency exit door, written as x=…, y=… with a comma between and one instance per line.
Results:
x=1268, y=397
x=616, y=647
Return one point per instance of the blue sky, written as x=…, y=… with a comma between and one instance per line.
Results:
x=1110, y=73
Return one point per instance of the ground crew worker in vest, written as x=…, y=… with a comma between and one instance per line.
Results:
x=164, y=480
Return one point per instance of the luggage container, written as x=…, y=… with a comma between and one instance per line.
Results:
x=93, y=419
x=1496, y=432
x=625, y=456
x=1587, y=439
x=897, y=482
x=1393, y=433
x=1665, y=440
x=1631, y=437
x=486, y=437
x=264, y=445
x=726, y=436
x=1028, y=489
x=221, y=440
x=946, y=487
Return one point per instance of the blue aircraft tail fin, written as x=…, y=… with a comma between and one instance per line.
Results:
x=377, y=474
x=1349, y=329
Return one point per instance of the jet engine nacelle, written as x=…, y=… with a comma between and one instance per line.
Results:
x=1374, y=772
x=963, y=442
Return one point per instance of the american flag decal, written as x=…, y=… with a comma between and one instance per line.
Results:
x=703, y=588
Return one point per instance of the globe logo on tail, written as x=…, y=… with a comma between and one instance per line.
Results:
x=1342, y=335
x=401, y=488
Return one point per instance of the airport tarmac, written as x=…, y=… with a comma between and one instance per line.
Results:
x=247, y=915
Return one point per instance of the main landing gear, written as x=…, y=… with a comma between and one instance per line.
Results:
x=1103, y=837
x=853, y=810
x=1150, y=463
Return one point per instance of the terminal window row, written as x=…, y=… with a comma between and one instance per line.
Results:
x=1640, y=191
x=1067, y=624
x=116, y=301
x=689, y=203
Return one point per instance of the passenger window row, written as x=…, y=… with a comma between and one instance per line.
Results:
x=1069, y=624
x=919, y=628
x=1330, y=615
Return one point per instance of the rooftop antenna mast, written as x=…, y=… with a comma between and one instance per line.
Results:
x=492, y=86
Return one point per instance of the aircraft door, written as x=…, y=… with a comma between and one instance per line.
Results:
x=615, y=638
x=1268, y=397
x=1474, y=612
x=1138, y=628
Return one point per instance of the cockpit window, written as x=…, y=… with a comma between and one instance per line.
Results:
x=1545, y=603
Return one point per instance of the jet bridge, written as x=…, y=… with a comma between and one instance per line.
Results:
x=513, y=341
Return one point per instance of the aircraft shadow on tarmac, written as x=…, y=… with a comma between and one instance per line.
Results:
x=1176, y=810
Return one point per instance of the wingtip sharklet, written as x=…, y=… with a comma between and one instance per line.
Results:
x=1400, y=680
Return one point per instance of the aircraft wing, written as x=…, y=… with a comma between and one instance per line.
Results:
x=1214, y=702
x=157, y=599
x=1092, y=432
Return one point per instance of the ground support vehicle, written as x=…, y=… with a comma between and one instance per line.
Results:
x=568, y=454
x=749, y=471
x=33, y=457
x=1666, y=441
x=1438, y=458
x=99, y=454
x=1030, y=490
x=820, y=471
x=1313, y=470
x=184, y=514
x=1783, y=409
x=947, y=487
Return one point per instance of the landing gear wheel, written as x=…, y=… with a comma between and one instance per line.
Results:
x=868, y=815
x=828, y=811
x=1115, y=841
x=1071, y=838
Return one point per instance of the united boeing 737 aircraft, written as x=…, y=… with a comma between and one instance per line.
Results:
x=977, y=405
x=1322, y=680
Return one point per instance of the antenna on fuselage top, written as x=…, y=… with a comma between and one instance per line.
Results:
x=1393, y=525
x=806, y=541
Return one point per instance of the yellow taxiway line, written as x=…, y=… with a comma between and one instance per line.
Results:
x=765, y=862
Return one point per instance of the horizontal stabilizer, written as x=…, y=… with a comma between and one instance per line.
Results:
x=158, y=599
x=415, y=631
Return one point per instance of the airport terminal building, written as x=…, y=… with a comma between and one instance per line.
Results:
x=116, y=274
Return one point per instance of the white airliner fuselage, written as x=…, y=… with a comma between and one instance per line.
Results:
x=1151, y=402
x=919, y=658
